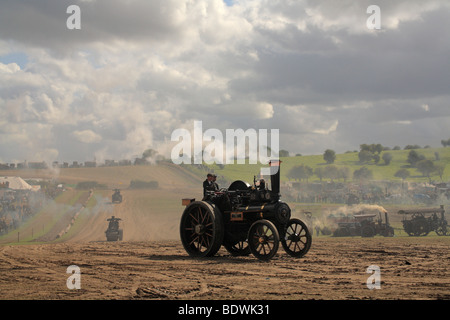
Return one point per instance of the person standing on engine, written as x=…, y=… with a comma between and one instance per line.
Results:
x=214, y=185
x=207, y=184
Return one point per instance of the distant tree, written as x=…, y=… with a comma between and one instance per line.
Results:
x=344, y=173
x=426, y=167
x=378, y=148
x=396, y=148
x=373, y=148
x=139, y=184
x=437, y=156
x=149, y=153
x=376, y=158
x=84, y=185
x=387, y=158
x=402, y=173
x=308, y=172
x=319, y=172
x=292, y=174
x=445, y=143
x=414, y=157
x=331, y=172
x=365, y=147
x=329, y=156
x=298, y=154
x=411, y=147
x=362, y=174
x=283, y=153
x=300, y=172
x=365, y=156
x=440, y=168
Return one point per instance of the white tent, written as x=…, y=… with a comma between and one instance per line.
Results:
x=16, y=183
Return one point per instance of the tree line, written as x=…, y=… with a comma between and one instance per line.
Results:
x=371, y=153
x=303, y=173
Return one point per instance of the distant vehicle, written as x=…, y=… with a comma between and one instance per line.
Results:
x=114, y=233
x=420, y=222
x=116, y=197
x=352, y=199
x=364, y=225
x=422, y=198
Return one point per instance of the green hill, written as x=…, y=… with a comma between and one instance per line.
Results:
x=380, y=171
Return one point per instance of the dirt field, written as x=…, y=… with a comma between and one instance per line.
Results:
x=411, y=268
x=151, y=263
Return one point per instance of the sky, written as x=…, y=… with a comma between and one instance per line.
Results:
x=139, y=69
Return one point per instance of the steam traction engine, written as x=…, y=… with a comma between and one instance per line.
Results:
x=116, y=197
x=364, y=225
x=423, y=221
x=244, y=219
x=114, y=233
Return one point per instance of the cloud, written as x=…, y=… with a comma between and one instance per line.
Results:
x=9, y=68
x=137, y=70
x=328, y=130
x=87, y=136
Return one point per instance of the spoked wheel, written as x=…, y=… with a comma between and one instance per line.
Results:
x=297, y=240
x=240, y=248
x=263, y=239
x=389, y=232
x=420, y=229
x=442, y=230
x=367, y=232
x=201, y=229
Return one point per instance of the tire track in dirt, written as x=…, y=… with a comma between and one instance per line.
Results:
x=332, y=269
x=147, y=215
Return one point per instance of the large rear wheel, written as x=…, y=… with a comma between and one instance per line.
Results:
x=367, y=232
x=201, y=229
x=420, y=228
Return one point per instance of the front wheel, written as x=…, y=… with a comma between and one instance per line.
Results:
x=442, y=230
x=263, y=239
x=297, y=240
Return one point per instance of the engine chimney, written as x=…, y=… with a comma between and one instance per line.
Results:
x=275, y=176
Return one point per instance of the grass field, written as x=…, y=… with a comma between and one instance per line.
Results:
x=44, y=220
x=380, y=171
x=166, y=174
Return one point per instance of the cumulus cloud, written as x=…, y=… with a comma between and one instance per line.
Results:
x=87, y=136
x=137, y=70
